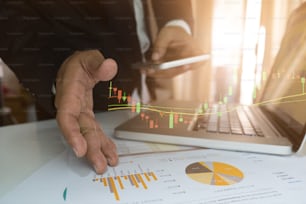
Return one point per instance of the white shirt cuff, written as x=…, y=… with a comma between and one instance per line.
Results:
x=181, y=23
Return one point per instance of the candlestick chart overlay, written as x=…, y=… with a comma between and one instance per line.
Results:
x=174, y=116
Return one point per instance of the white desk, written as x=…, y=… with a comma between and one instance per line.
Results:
x=25, y=148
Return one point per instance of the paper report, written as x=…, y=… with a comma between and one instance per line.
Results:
x=191, y=176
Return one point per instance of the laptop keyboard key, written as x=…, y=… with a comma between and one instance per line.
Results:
x=229, y=120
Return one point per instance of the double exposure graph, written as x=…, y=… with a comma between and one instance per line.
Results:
x=119, y=94
x=291, y=95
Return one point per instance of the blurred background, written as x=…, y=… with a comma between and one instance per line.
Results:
x=242, y=37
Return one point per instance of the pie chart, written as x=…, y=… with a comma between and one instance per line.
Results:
x=214, y=173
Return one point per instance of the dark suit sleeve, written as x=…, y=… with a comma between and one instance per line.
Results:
x=167, y=10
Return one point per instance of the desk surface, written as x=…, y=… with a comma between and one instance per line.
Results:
x=34, y=147
x=26, y=147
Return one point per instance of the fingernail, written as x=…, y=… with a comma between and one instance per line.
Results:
x=109, y=160
x=76, y=152
x=155, y=56
x=98, y=168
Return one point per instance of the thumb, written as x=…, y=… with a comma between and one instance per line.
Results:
x=107, y=70
x=161, y=44
x=99, y=68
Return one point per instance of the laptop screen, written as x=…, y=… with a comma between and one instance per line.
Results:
x=285, y=89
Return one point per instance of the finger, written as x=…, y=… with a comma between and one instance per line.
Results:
x=171, y=40
x=169, y=37
x=91, y=133
x=97, y=67
x=161, y=44
x=73, y=92
x=69, y=126
x=69, y=102
x=94, y=154
x=110, y=151
x=107, y=70
x=108, y=148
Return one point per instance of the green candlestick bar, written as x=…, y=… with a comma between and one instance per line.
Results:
x=171, y=121
x=138, y=107
x=303, y=84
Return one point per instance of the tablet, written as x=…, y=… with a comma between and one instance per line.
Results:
x=172, y=64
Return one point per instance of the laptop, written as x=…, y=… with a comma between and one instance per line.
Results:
x=274, y=124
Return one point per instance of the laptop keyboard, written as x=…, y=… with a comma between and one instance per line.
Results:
x=220, y=118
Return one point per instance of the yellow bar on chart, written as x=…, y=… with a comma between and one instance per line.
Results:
x=153, y=175
x=120, y=182
x=142, y=181
x=113, y=186
x=104, y=181
x=134, y=181
x=147, y=176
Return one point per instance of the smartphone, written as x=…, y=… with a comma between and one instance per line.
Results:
x=173, y=63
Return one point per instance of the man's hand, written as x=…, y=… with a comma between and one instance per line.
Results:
x=173, y=42
x=74, y=102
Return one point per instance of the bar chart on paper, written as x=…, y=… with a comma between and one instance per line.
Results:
x=208, y=173
x=129, y=181
x=118, y=183
x=154, y=179
x=193, y=177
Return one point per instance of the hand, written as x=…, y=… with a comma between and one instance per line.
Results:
x=74, y=102
x=173, y=42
